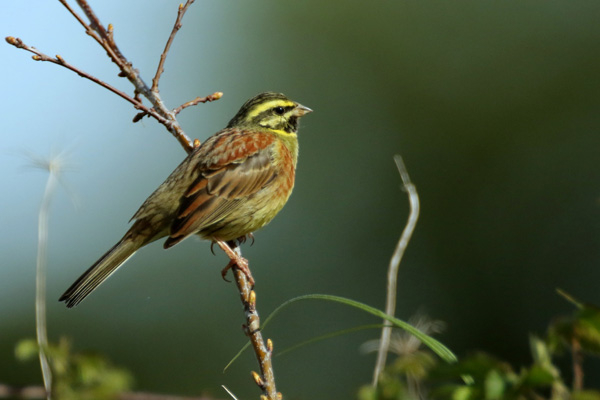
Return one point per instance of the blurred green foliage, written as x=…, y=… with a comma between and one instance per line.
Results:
x=582, y=329
x=417, y=374
x=78, y=376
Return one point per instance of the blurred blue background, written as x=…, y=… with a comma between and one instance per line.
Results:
x=493, y=105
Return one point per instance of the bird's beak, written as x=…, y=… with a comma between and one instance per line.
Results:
x=301, y=110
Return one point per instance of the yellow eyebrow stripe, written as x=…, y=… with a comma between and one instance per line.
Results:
x=265, y=106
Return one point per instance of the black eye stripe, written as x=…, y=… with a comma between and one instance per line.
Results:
x=281, y=110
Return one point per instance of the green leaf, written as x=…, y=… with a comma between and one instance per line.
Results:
x=538, y=376
x=26, y=349
x=494, y=385
x=464, y=393
x=587, y=329
x=329, y=336
x=79, y=376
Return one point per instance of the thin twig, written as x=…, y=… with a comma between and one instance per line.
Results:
x=102, y=35
x=392, y=278
x=185, y=141
x=105, y=38
x=58, y=60
x=229, y=392
x=198, y=100
x=264, y=353
x=180, y=13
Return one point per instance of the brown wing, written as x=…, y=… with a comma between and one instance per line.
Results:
x=234, y=166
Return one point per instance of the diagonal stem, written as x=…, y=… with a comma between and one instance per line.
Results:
x=264, y=352
x=180, y=13
x=58, y=60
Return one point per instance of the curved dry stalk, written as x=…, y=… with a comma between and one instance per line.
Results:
x=392, y=279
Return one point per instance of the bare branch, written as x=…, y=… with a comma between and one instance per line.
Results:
x=161, y=114
x=58, y=60
x=180, y=13
x=96, y=31
x=264, y=352
x=88, y=30
x=198, y=100
x=104, y=37
x=392, y=278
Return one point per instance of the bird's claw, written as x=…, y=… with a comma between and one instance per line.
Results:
x=236, y=260
x=226, y=269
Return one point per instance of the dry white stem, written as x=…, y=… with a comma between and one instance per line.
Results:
x=53, y=167
x=392, y=279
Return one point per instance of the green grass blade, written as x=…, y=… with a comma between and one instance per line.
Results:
x=438, y=348
x=329, y=336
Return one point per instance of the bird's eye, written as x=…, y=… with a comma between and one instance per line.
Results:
x=279, y=110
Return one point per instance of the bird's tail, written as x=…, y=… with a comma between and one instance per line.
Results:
x=100, y=271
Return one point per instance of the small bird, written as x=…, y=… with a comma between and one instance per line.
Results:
x=228, y=187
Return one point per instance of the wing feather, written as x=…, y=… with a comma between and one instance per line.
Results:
x=223, y=186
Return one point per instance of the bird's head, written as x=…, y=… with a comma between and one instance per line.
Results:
x=271, y=111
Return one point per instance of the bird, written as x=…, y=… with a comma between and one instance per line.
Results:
x=228, y=187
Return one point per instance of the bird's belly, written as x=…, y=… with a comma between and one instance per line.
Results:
x=252, y=214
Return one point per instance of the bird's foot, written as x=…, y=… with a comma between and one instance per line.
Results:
x=242, y=264
x=236, y=260
x=242, y=239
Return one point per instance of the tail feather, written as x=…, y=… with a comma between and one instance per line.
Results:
x=100, y=271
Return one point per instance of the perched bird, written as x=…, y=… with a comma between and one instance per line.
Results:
x=231, y=185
